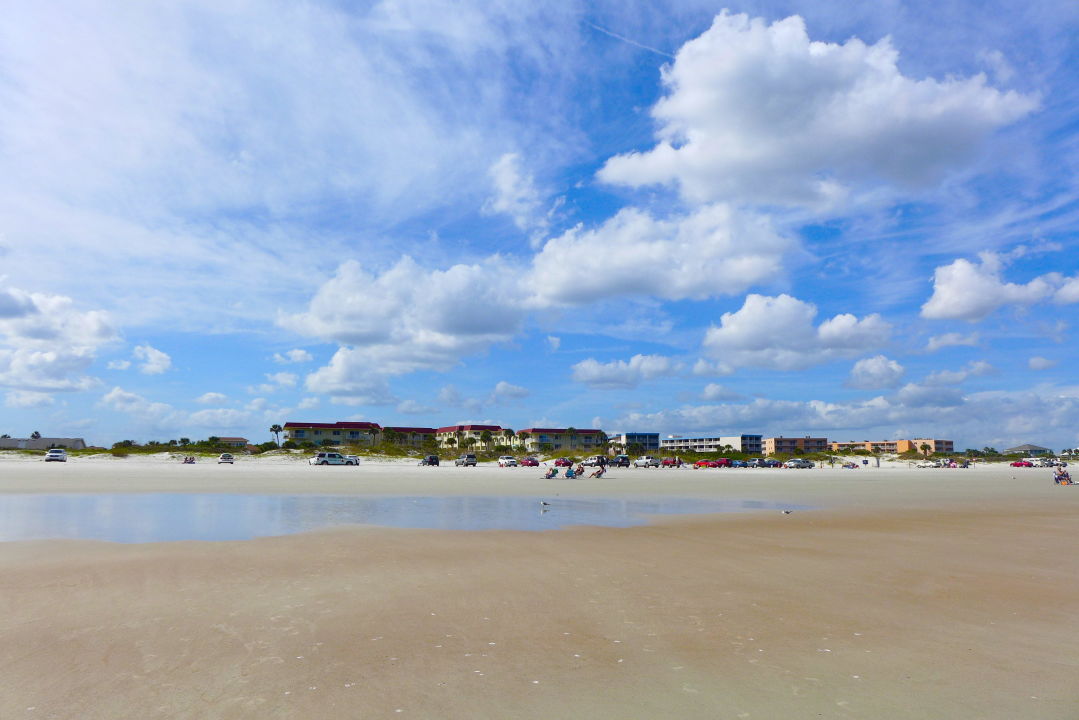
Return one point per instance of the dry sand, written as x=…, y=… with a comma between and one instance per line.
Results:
x=907, y=594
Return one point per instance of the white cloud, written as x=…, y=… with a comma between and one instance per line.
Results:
x=760, y=113
x=46, y=344
x=349, y=380
x=874, y=373
x=118, y=364
x=964, y=290
x=27, y=399
x=515, y=194
x=714, y=392
x=409, y=318
x=507, y=391
x=954, y=377
x=276, y=382
x=154, y=361
x=149, y=414
x=220, y=418
x=950, y=340
x=778, y=333
x=624, y=374
x=211, y=398
x=1040, y=363
x=704, y=368
x=714, y=251
x=554, y=342
x=293, y=356
x=412, y=407
x=307, y=403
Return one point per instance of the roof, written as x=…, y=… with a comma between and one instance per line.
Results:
x=468, y=428
x=419, y=430
x=336, y=425
x=558, y=431
x=232, y=439
x=1025, y=448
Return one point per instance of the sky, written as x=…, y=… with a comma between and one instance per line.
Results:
x=696, y=218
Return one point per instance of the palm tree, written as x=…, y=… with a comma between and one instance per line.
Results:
x=571, y=432
x=508, y=435
x=523, y=436
x=276, y=430
x=486, y=437
x=390, y=436
x=924, y=447
x=35, y=435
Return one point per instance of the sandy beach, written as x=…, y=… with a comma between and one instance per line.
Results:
x=904, y=593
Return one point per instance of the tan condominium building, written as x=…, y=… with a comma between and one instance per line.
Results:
x=472, y=436
x=338, y=433
x=560, y=439
x=787, y=446
x=894, y=446
x=410, y=436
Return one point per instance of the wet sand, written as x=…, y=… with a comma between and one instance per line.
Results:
x=908, y=594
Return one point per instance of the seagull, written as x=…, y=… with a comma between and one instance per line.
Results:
x=544, y=503
x=787, y=512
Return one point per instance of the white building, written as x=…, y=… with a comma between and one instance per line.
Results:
x=749, y=444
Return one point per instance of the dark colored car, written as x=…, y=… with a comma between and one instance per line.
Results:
x=619, y=461
x=563, y=462
x=765, y=463
x=723, y=462
x=430, y=460
x=739, y=463
x=528, y=462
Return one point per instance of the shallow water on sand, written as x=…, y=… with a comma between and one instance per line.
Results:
x=160, y=517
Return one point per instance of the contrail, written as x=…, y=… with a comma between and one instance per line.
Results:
x=627, y=40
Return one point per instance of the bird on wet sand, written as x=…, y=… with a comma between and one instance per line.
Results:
x=787, y=512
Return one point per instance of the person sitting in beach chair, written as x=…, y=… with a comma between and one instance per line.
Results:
x=580, y=470
x=599, y=472
x=1061, y=477
x=551, y=472
x=570, y=473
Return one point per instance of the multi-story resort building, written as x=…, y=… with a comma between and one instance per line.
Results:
x=337, y=433
x=751, y=444
x=648, y=442
x=411, y=436
x=894, y=446
x=787, y=446
x=458, y=436
x=559, y=439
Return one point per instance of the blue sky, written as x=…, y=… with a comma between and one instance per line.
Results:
x=784, y=218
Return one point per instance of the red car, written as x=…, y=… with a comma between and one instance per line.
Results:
x=563, y=462
x=1022, y=463
x=723, y=462
x=671, y=462
x=528, y=462
x=706, y=463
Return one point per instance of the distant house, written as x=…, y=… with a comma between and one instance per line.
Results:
x=412, y=436
x=43, y=443
x=621, y=441
x=1028, y=450
x=786, y=445
x=559, y=439
x=895, y=446
x=751, y=444
x=460, y=433
x=236, y=442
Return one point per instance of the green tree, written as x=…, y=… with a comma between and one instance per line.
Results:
x=390, y=436
x=924, y=447
x=276, y=431
x=184, y=442
x=5, y=436
x=469, y=442
x=508, y=435
x=486, y=437
x=35, y=435
x=451, y=442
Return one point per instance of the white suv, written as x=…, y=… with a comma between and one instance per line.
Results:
x=507, y=461
x=56, y=455
x=646, y=461
x=333, y=458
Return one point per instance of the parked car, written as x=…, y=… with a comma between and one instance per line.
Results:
x=927, y=464
x=225, y=458
x=706, y=464
x=618, y=461
x=798, y=463
x=466, y=460
x=329, y=458
x=724, y=462
x=595, y=460
x=528, y=462
x=56, y=455
x=431, y=460
x=1022, y=463
x=646, y=461
x=739, y=463
x=563, y=462
x=507, y=461
x=670, y=462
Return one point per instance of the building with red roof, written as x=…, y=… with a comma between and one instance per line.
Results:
x=561, y=440
x=338, y=433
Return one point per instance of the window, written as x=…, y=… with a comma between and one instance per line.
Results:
x=336, y=432
x=353, y=433
x=298, y=433
x=318, y=432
